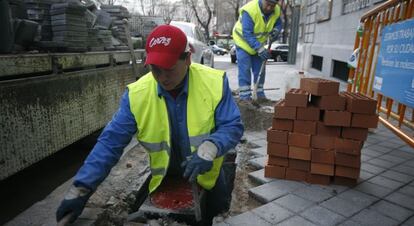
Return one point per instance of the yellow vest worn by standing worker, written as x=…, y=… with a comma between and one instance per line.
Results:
x=205, y=90
x=261, y=29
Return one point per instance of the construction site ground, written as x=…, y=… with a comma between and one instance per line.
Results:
x=384, y=194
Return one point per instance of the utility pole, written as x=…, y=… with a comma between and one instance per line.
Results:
x=294, y=32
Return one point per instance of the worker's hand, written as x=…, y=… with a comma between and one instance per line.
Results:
x=274, y=35
x=201, y=161
x=74, y=202
x=263, y=53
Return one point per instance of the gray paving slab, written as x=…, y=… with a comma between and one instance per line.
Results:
x=350, y=223
x=373, y=139
x=379, y=148
x=401, y=177
x=357, y=197
x=373, y=189
x=258, y=163
x=293, y=203
x=388, y=144
x=322, y=216
x=247, y=218
x=365, y=175
x=401, y=199
x=381, y=163
x=268, y=192
x=365, y=157
x=407, y=190
x=272, y=213
x=371, y=168
x=409, y=222
x=370, y=152
x=394, y=158
x=260, y=151
x=370, y=217
x=396, y=212
x=385, y=182
x=258, y=177
x=409, y=163
x=406, y=148
x=260, y=142
x=397, y=141
x=296, y=221
x=341, y=206
x=404, y=169
x=313, y=193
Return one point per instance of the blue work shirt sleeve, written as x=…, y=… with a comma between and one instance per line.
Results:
x=248, y=31
x=109, y=148
x=229, y=128
x=278, y=24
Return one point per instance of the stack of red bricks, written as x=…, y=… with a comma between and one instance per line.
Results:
x=317, y=133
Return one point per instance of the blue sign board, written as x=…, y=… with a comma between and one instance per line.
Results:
x=394, y=76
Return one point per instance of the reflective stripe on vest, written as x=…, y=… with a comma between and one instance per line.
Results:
x=205, y=90
x=261, y=29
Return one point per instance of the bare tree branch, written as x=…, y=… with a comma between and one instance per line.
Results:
x=204, y=24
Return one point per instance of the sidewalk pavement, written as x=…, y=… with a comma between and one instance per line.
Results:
x=384, y=194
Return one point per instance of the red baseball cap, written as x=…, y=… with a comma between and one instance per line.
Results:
x=164, y=46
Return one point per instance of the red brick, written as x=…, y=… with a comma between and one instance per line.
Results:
x=299, y=139
x=345, y=181
x=319, y=86
x=347, y=172
x=333, y=103
x=322, y=169
x=297, y=98
x=323, y=156
x=277, y=136
x=309, y=113
x=364, y=121
x=348, y=146
x=294, y=174
x=282, y=124
x=359, y=103
x=275, y=171
x=318, y=179
x=337, y=118
x=354, y=133
x=323, y=142
x=343, y=159
x=299, y=153
x=306, y=127
x=299, y=164
x=327, y=131
x=276, y=149
x=284, y=112
x=278, y=161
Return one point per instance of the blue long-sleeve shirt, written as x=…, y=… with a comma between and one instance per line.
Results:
x=119, y=131
x=248, y=27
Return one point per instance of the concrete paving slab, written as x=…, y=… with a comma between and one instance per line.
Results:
x=409, y=222
x=401, y=199
x=341, y=207
x=273, y=190
x=365, y=175
x=365, y=157
x=258, y=163
x=373, y=189
x=260, y=142
x=385, y=182
x=406, y=148
x=401, y=177
x=381, y=163
x=295, y=221
x=357, y=197
x=258, y=176
x=370, y=217
x=396, y=212
x=350, y=223
x=260, y=151
x=393, y=158
x=388, y=144
x=371, y=168
x=404, y=169
x=407, y=190
x=246, y=219
x=293, y=203
x=378, y=148
x=272, y=213
x=409, y=163
x=314, y=194
x=322, y=216
x=371, y=152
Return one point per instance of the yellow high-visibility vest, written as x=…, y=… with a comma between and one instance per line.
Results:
x=261, y=29
x=205, y=90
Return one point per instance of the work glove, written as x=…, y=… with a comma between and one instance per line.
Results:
x=263, y=53
x=201, y=161
x=274, y=35
x=74, y=202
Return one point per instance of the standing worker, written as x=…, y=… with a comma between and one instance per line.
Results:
x=179, y=111
x=258, y=20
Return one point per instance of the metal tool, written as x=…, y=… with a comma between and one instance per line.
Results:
x=262, y=68
x=196, y=199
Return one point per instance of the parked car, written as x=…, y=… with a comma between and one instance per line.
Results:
x=201, y=53
x=232, y=52
x=218, y=50
x=279, y=52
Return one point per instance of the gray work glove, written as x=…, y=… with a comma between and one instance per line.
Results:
x=274, y=35
x=74, y=202
x=201, y=161
x=263, y=53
